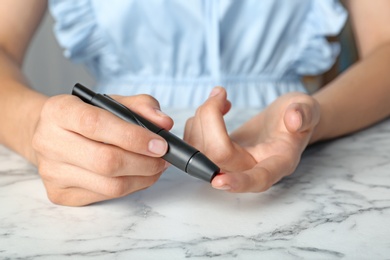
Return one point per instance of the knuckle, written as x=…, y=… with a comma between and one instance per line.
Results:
x=151, y=180
x=142, y=99
x=54, y=104
x=156, y=166
x=136, y=139
x=117, y=187
x=57, y=196
x=132, y=138
x=260, y=182
x=264, y=183
x=220, y=156
x=204, y=109
x=109, y=161
x=89, y=121
x=146, y=98
x=121, y=186
x=45, y=171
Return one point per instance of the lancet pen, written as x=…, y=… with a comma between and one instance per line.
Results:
x=179, y=154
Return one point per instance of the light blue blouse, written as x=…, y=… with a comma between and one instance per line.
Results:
x=178, y=50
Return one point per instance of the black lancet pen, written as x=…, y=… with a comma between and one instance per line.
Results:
x=179, y=154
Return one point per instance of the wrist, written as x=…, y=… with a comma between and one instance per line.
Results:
x=23, y=120
x=34, y=117
x=319, y=132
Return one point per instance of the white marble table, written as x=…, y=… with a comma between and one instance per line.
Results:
x=336, y=205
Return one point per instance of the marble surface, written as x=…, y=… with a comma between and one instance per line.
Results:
x=336, y=205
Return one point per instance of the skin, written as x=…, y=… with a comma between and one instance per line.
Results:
x=268, y=146
x=84, y=154
x=81, y=161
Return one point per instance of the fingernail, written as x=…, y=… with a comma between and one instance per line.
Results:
x=223, y=187
x=157, y=146
x=215, y=91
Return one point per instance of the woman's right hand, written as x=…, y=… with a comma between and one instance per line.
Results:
x=85, y=154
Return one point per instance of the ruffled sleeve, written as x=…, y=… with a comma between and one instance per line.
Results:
x=77, y=31
x=316, y=55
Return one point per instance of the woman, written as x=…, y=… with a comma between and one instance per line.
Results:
x=86, y=155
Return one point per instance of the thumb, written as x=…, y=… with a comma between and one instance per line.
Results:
x=300, y=117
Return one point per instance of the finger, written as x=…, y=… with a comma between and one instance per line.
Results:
x=216, y=141
x=300, y=117
x=97, y=124
x=258, y=179
x=74, y=197
x=61, y=176
x=100, y=158
x=220, y=93
x=189, y=131
x=210, y=123
x=149, y=108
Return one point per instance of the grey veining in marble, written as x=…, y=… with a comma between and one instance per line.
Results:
x=335, y=206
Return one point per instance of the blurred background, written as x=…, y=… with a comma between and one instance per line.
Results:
x=45, y=66
x=49, y=72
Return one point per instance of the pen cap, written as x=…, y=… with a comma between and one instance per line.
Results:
x=202, y=168
x=179, y=152
x=85, y=94
x=187, y=158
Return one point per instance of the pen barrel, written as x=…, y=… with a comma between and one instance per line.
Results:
x=111, y=105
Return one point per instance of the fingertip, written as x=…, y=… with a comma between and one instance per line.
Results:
x=239, y=182
x=149, y=108
x=216, y=91
x=160, y=113
x=163, y=119
x=156, y=116
x=220, y=182
x=218, y=97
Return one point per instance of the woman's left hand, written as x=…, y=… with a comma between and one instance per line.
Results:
x=260, y=152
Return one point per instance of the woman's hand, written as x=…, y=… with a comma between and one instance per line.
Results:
x=86, y=154
x=263, y=150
